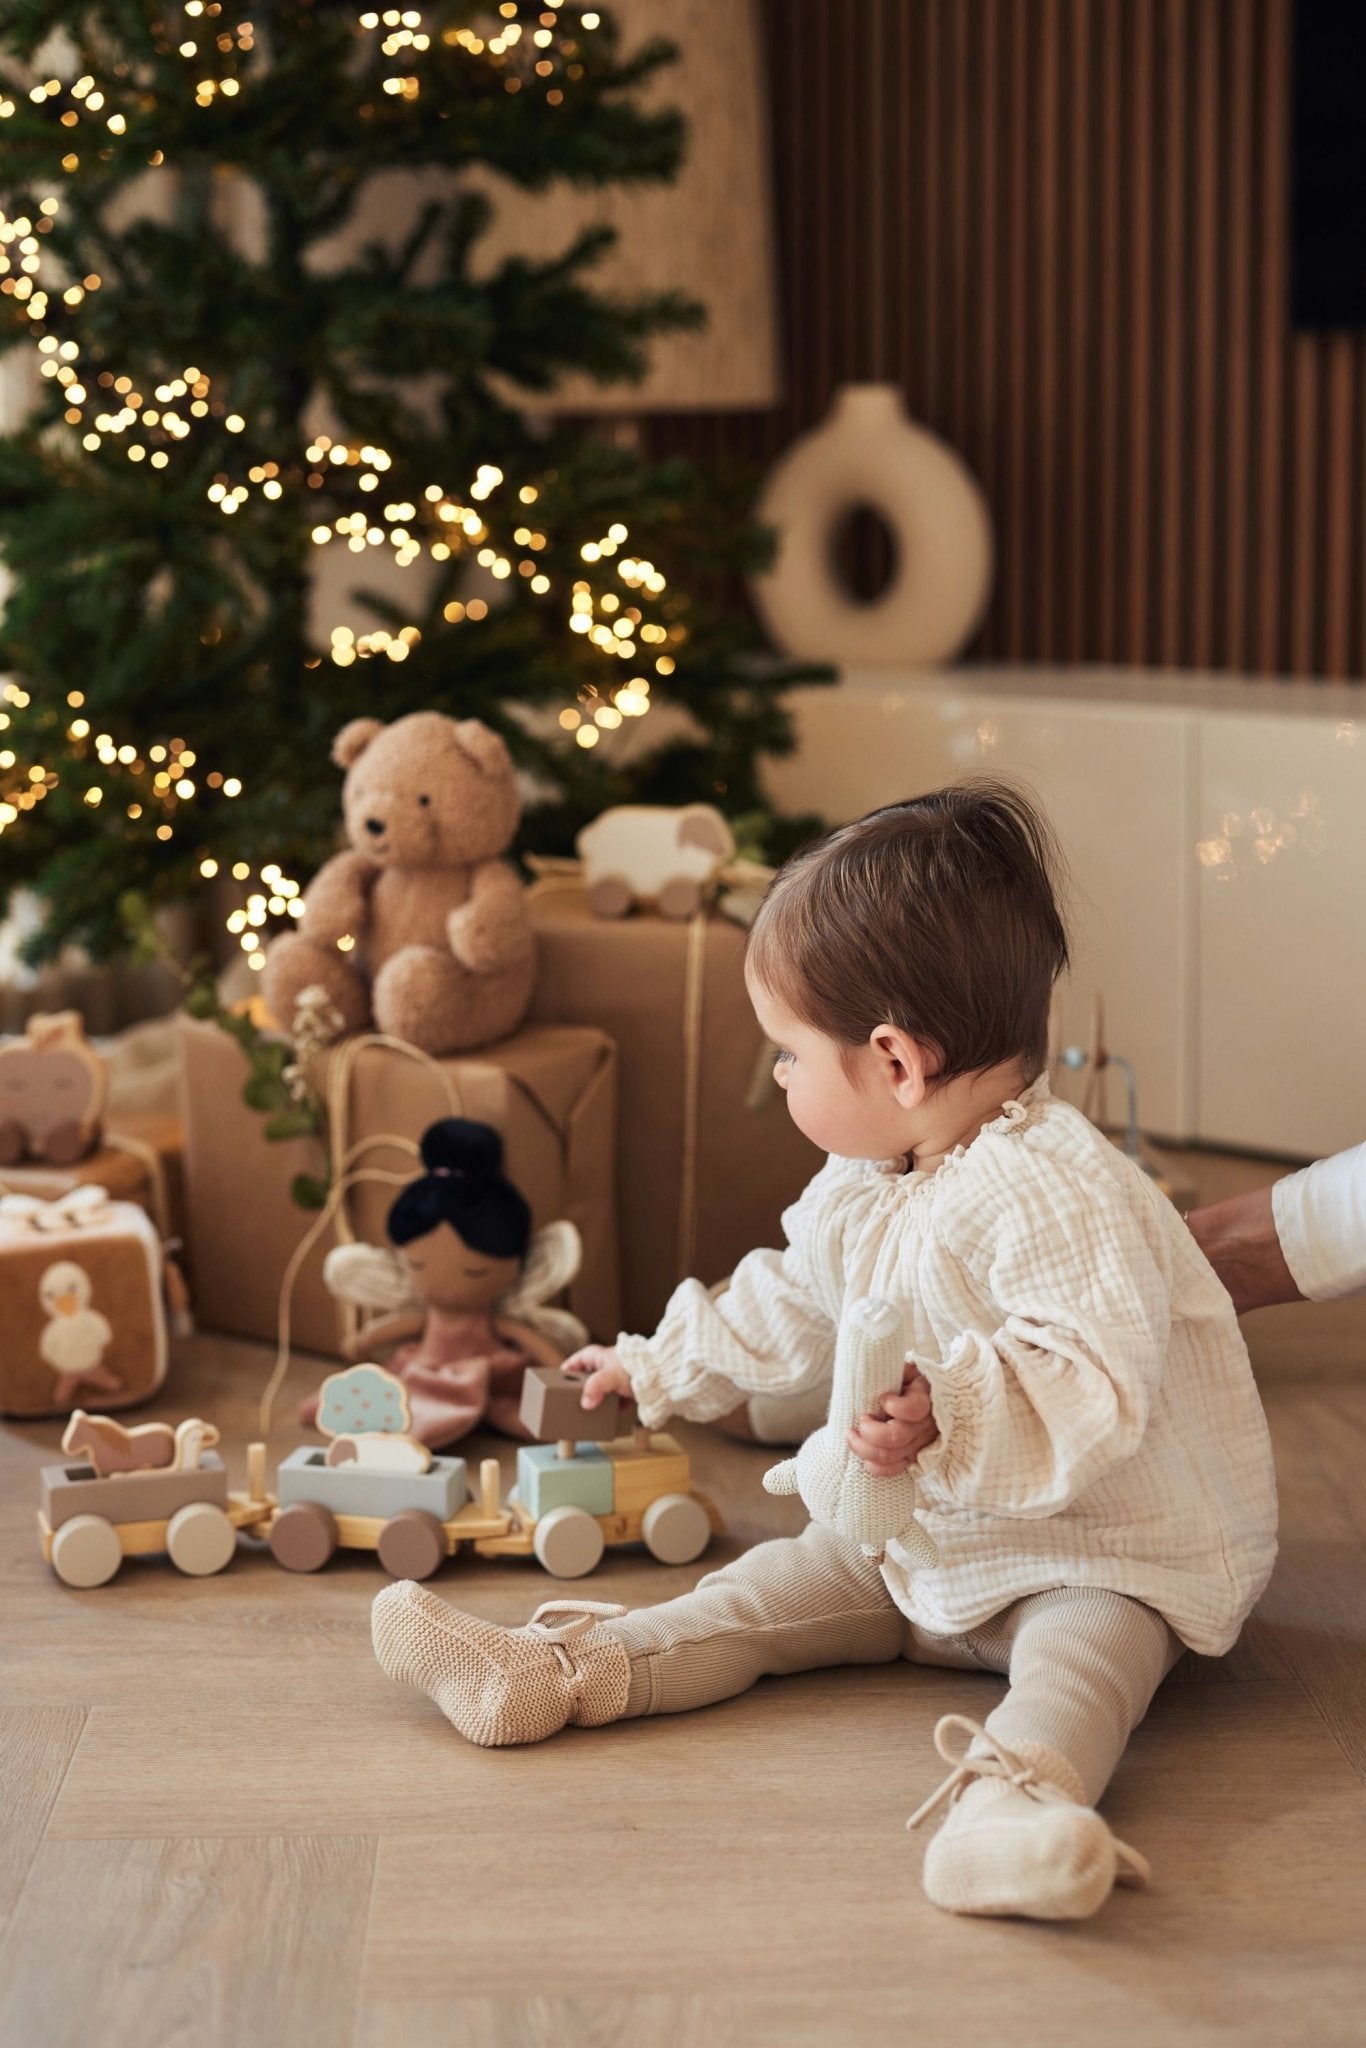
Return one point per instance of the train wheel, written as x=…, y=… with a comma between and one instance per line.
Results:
x=200, y=1539
x=86, y=1551
x=569, y=1542
x=412, y=1545
x=303, y=1536
x=676, y=1528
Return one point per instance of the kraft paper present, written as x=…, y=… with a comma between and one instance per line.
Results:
x=550, y=1090
x=707, y=1156
x=82, y=1301
x=138, y=1161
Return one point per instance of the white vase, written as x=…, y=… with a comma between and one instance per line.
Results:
x=868, y=452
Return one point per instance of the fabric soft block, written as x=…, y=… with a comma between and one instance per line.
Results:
x=550, y=1091
x=84, y=1315
x=631, y=978
x=305, y=1475
x=545, y=1480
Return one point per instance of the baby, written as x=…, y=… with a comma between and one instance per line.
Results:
x=1093, y=1465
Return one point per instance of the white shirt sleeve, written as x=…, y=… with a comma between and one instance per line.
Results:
x=1321, y=1222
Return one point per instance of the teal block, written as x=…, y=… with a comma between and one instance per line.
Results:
x=546, y=1481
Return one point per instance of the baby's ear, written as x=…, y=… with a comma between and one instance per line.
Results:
x=354, y=738
x=484, y=747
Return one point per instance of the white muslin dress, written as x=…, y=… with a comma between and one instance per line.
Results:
x=1098, y=1421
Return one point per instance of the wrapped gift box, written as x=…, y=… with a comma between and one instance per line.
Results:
x=82, y=1294
x=138, y=1161
x=707, y=1156
x=550, y=1090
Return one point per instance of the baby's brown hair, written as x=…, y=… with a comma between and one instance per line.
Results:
x=938, y=915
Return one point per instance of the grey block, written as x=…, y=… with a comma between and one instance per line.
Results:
x=348, y=1490
x=552, y=1408
x=73, y=1489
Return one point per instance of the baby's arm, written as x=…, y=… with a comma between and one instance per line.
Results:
x=1079, y=1274
x=766, y=1331
x=763, y=1333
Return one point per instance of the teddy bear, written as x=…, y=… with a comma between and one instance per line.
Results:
x=418, y=929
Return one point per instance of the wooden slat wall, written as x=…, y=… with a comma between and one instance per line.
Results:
x=1061, y=226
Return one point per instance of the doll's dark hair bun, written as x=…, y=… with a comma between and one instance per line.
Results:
x=464, y=1185
x=458, y=1145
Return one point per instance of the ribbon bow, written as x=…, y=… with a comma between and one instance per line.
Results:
x=579, y=1617
x=82, y=1208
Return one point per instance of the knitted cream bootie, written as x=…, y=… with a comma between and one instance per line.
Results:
x=501, y=1686
x=1018, y=1836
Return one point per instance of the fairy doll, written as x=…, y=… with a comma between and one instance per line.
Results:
x=464, y=1288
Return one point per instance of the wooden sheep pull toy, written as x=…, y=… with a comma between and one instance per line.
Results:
x=151, y=1447
x=365, y=1412
x=837, y=1487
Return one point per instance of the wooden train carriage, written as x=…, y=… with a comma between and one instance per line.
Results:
x=87, y=1524
x=565, y=1512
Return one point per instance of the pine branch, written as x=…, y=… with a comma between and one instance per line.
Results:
x=244, y=387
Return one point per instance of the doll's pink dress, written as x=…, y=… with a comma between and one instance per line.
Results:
x=460, y=1372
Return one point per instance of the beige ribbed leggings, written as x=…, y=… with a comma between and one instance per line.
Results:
x=1083, y=1664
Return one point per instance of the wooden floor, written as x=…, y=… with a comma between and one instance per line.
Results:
x=223, y=1825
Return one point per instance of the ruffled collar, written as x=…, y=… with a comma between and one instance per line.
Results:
x=1017, y=1115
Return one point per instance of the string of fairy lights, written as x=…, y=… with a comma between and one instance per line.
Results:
x=613, y=603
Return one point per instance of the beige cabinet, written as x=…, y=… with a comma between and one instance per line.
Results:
x=1215, y=835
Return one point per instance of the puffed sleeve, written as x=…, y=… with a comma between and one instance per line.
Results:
x=1054, y=1391
x=765, y=1331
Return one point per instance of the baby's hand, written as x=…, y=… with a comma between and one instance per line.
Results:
x=891, y=1438
x=602, y=1371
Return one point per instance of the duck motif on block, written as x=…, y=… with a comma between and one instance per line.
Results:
x=76, y=1336
x=837, y=1487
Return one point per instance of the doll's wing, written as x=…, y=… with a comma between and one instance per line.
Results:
x=563, y=1329
x=369, y=1276
x=555, y=1255
x=554, y=1258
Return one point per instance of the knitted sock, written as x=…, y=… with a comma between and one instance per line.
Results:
x=501, y=1686
x=1018, y=1837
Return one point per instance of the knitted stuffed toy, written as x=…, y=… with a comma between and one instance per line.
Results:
x=837, y=1487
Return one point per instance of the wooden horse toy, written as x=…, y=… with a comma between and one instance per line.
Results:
x=151, y=1447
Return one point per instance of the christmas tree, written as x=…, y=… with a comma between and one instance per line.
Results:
x=236, y=387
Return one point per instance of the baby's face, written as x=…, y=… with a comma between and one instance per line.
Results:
x=833, y=1092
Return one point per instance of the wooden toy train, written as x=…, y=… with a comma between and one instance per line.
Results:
x=579, y=1491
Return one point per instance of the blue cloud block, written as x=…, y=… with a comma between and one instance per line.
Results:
x=546, y=1481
